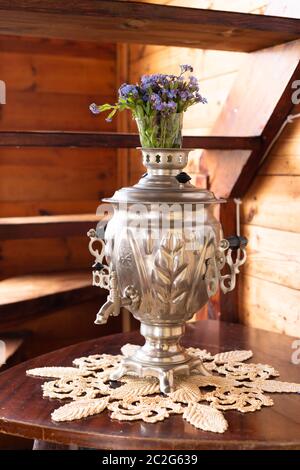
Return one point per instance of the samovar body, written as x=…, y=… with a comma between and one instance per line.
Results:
x=164, y=252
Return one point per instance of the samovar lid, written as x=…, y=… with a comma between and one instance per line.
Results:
x=164, y=182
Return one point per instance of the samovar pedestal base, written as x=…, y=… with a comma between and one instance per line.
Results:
x=162, y=357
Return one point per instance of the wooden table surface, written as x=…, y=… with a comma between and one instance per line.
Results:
x=24, y=412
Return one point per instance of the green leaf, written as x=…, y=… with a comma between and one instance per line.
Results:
x=111, y=115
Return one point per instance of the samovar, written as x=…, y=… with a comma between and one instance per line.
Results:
x=165, y=254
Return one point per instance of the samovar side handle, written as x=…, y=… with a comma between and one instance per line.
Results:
x=231, y=244
x=106, y=278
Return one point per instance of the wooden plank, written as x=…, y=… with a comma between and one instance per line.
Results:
x=273, y=255
x=267, y=305
x=39, y=255
x=26, y=288
x=286, y=160
x=31, y=296
x=56, y=47
x=18, y=228
x=25, y=183
x=55, y=163
x=59, y=157
x=273, y=201
x=116, y=140
x=60, y=74
x=52, y=111
x=45, y=207
x=152, y=24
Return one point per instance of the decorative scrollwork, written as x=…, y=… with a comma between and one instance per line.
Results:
x=101, y=273
x=106, y=278
x=228, y=281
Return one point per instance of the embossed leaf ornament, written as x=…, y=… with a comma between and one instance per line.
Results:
x=169, y=274
x=233, y=384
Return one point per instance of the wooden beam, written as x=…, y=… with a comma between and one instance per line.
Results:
x=18, y=228
x=116, y=140
x=120, y=21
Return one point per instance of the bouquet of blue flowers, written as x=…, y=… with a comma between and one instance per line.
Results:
x=157, y=104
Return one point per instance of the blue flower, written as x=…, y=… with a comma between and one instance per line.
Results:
x=200, y=99
x=125, y=90
x=94, y=108
x=186, y=68
x=185, y=95
x=193, y=83
x=156, y=102
x=171, y=93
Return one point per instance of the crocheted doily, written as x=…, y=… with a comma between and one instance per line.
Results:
x=233, y=385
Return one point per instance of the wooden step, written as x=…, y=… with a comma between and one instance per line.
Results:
x=147, y=23
x=118, y=140
x=47, y=226
x=25, y=297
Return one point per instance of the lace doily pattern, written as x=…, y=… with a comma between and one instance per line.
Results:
x=201, y=400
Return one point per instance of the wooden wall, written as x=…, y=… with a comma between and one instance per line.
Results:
x=270, y=285
x=50, y=84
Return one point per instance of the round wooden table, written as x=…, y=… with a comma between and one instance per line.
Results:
x=23, y=411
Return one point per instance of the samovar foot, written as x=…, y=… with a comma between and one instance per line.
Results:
x=165, y=375
x=166, y=381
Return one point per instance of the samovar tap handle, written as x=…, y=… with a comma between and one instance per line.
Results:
x=233, y=243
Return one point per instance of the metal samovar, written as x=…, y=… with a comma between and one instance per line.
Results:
x=164, y=255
